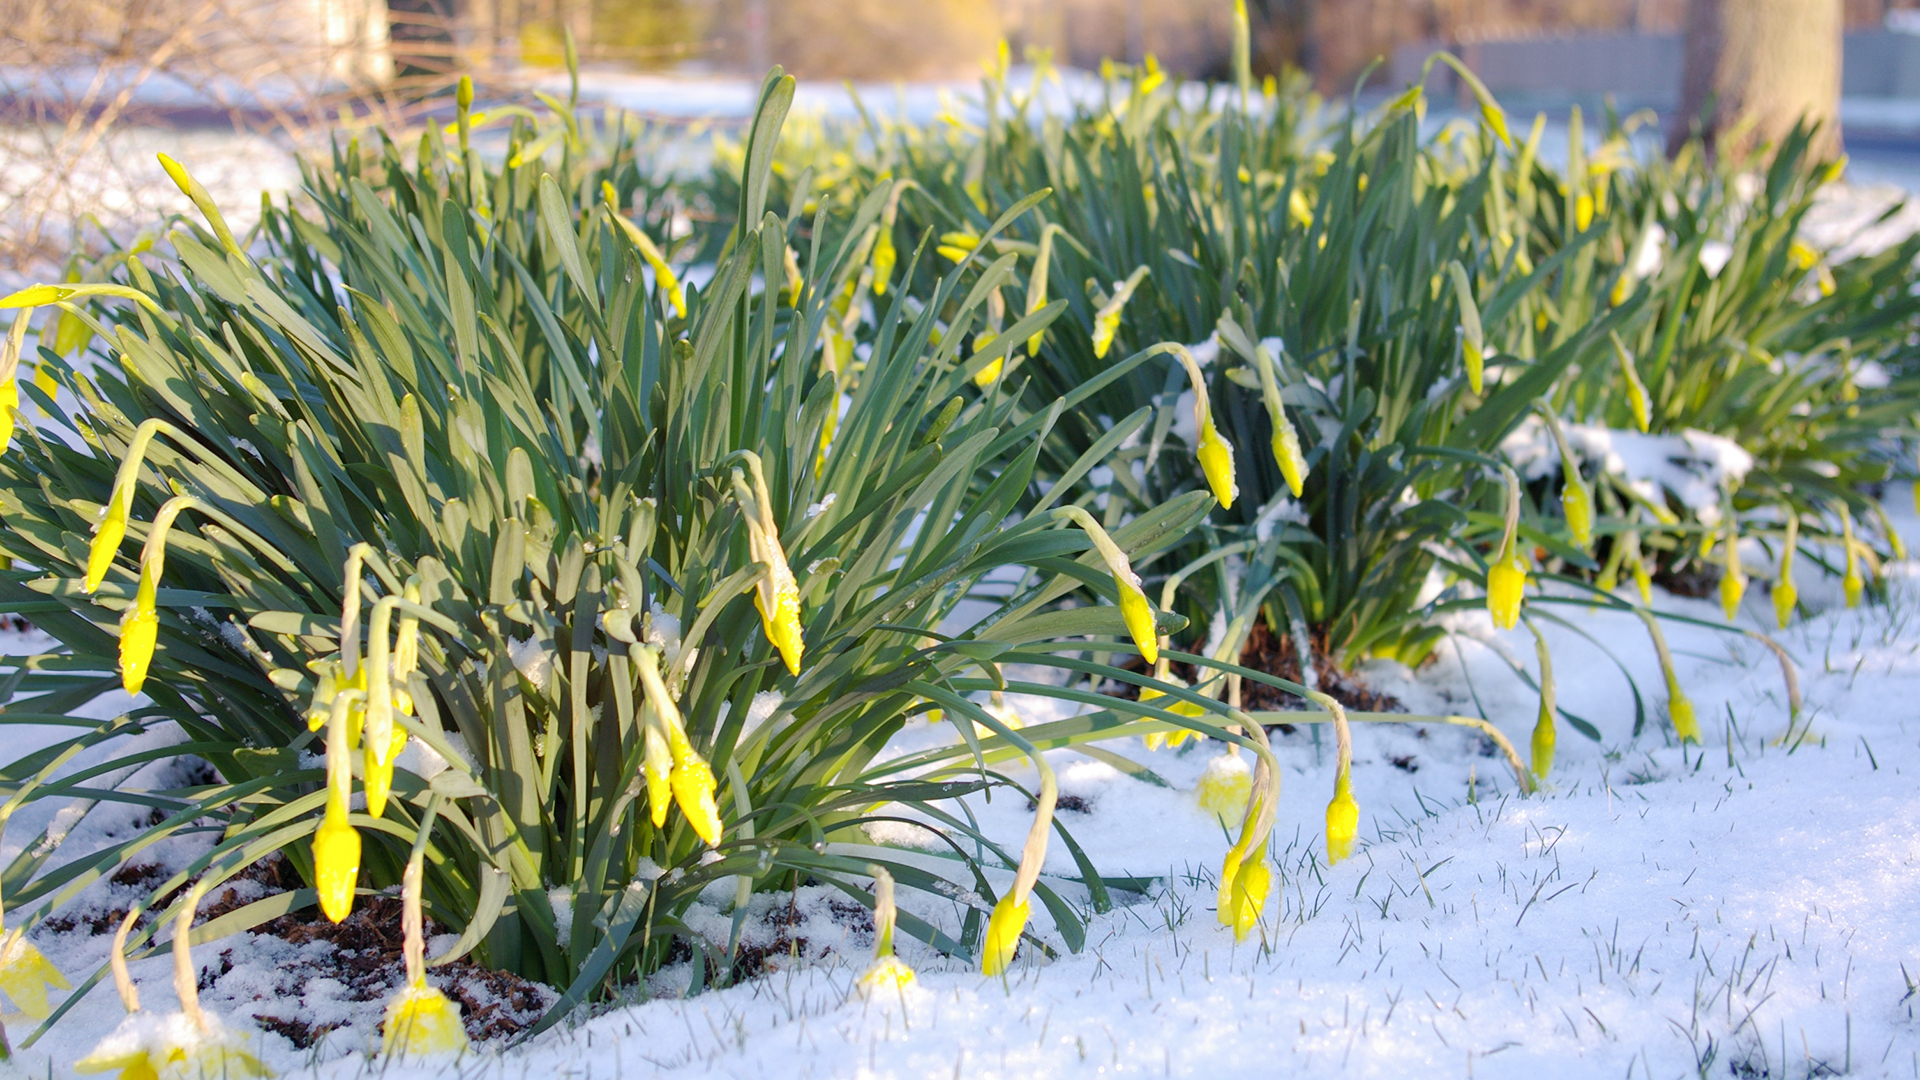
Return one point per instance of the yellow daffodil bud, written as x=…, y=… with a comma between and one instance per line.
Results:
x=25, y=975
x=1216, y=462
x=1852, y=584
x=1003, y=934
x=1582, y=212
x=782, y=624
x=1225, y=787
x=776, y=594
x=107, y=535
x=1637, y=401
x=956, y=246
x=139, y=632
x=1170, y=739
x=1784, y=594
x=884, y=258
x=1506, y=585
x=1802, y=256
x=1134, y=609
x=1250, y=886
x=692, y=781
x=1577, y=503
x=1622, y=288
x=1106, y=321
x=1733, y=583
x=887, y=975
x=1680, y=708
x=1544, y=735
x=1299, y=209
x=147, y=1046
x=336, y=861
x=422, y=1022
x=9, y=403
x=1343, y=821
x=986, y=376
x=664, y=279
x=1229, y=900
x=1476, y=364
x=656, y=766
x=1286, y=454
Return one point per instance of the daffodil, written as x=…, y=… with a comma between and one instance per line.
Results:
x=1343, y=820
x=1106, y=321
x=1852, y=584
x=25, y=975
x=149, y=1046
x=1009, y=918
x=1679, y=706
x=1576, y=501
x=884, y=255
x=1784, y=594
x=1733, y=579
x=1250, y=886
x=956, y=246
x=1214, y=454
x=111, y=529
x=1225, y=786
x=1286, y=454
x=1582, y=212
x=776, y=594
x=888, y=973
x=421, y=1021
x=1037, y=283
x=1170, y=739
x=1506, y=586
x=1544, y=735
x=1637, y=401
x=693, y=785
x=986, y=376
x=1134, y=609
x=336, y=843
x=9, y=404
x=139, y=633
x=655, y=766
x=1229, y=899
x=664, y=279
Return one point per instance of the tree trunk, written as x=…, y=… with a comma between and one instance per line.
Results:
x=1756, y=67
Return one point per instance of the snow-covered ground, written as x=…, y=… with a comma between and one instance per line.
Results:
x=1744, y=908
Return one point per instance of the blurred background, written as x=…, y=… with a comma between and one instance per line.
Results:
x=90, y=88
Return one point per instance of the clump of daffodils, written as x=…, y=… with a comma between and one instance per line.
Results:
x=185, y=1045
x=1134, y=609
x=888, y=974
x=1507, y=574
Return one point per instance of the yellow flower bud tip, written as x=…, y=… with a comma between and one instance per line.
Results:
x=106, y=544
x=1286, y=454
x=1506, y=584
x=888, y=975
x=146, y=1044
x=1225, y=786
x=1643, y=581
x=986, y=376
x=1545, y=737
x=1680, y=709
x=1732, y=588
x=1139, y=618
x=1229, y=900
x=9, y=401
x=783, y=624
x=1583, y=212
x=1476, y=363
x=336, y=864
x=1216, y=461
x=378, y=781
x=1577, y=503
x=139, y=631
x=1104, y=328
x=25, y=975
x=1003, y=934
x=1853, y=585
x=692, y=781
x=1343, y=823
x=1250, y=889
x=1802, y=256
x=1784, y=598
x=422, y=1022
x=1171, y=739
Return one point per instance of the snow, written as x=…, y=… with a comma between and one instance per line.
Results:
x=1696, y=467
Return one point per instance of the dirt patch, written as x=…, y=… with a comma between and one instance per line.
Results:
x=366, y=961
x=759, y=953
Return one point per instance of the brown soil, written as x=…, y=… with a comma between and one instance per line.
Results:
x=751, y=960
x=366, y=959
x=1276, y=655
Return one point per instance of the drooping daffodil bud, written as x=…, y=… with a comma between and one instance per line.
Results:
x=776, y=593
x=1733, y=579
x=140, y=622
x=1784, y=594
x=1545, y=737
x=1472, y=338
x=1037, y=283
x=10, y=377
x=1106, y=321
x=1004, y=926
x=1637, y=401
x=1169, y=740
x=888, y=974
x=25, y=974
x=111, y=529
x=1343, y=821
x=1852, y=584
x=1214, y=453
x=421, y=1021
x=1507, y=574
x=664, y=279
x=987, y=375
x=1679, y=707
x=336, y=843
x=689, y=778
x=956, y=246
x=1225, y=786
x=150, y=1046
x=1135, y=612
x=1576, y=501
x=1250, y=887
